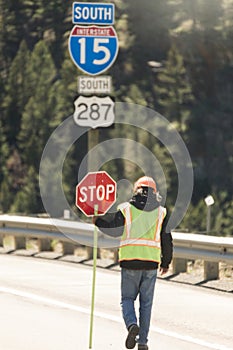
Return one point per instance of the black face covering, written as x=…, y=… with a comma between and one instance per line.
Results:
x=144, y=199
x=143, y=191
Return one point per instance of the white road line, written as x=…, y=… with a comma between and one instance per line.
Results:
x=72, y=307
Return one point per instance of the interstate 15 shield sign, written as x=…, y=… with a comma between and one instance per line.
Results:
x=93, y=49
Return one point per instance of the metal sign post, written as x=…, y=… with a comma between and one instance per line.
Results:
x=95, y=244
x=93, y=47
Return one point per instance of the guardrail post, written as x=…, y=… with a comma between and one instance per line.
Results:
x=14, y=242
x=67, y=248
x=211, y=270
x=90, y=253
x=179, y=265
x=115, y=256
x=1, y=240
x=44, y=245
x=20, y=243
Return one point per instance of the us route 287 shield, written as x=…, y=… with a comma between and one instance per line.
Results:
x=94, y=111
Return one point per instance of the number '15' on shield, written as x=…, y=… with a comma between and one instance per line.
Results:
x=93, y=49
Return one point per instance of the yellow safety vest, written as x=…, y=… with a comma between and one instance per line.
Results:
x=141, y=236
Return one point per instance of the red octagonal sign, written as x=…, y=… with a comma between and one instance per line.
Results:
x=96, y=188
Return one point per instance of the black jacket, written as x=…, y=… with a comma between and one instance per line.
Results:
x=112, y=224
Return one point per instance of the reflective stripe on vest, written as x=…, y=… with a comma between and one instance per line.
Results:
x=139, y=247
x=140, y=242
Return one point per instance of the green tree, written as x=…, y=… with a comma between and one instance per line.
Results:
x=57, y=17
x=39, y=110
x=66, y=91
x=223, y=221
x=17, y=93
x=4, y=151
x=66, y=94
x=11, y=31
x=195, y=218
x=150, y=22
x=174, y=91
x=27, y=200
x=13, y=179
x=32, y=21
x=197, y=14
x=194, y=92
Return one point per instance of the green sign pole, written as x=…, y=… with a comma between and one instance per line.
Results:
x=93, y=278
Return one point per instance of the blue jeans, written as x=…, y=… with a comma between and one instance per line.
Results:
x=134, y=283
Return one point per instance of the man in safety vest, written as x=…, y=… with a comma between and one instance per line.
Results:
x=145, y=245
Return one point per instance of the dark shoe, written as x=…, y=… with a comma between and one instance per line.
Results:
x=142, y=347
x=131, y=337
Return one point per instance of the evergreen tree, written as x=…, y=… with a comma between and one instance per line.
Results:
x=223, y=217
x=27, y=200
x=35, y=97
x=66, y=91
x=39, y=110
x=13, y=180
x=197, y=14
x=6, y=195
x=12, y=18
x=57, y=17
x=4, y=151
x=209, y=13
x=174, y=91
x=150, y=22
x=195, y=219
x=32, y=21
x=17, y=93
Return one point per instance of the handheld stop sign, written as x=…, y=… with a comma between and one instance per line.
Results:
x=95, y=194
x=96, y=189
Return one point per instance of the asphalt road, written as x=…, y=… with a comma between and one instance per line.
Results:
x=46, y=305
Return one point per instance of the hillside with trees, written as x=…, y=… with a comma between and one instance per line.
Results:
x=193, y=90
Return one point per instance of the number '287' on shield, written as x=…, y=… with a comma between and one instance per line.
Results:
x=94, y=111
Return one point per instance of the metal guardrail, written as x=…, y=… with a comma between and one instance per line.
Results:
x=196, y=246
x=51, y=228
x=187, y=246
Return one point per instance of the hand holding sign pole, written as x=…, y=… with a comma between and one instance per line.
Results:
x=95, y=194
